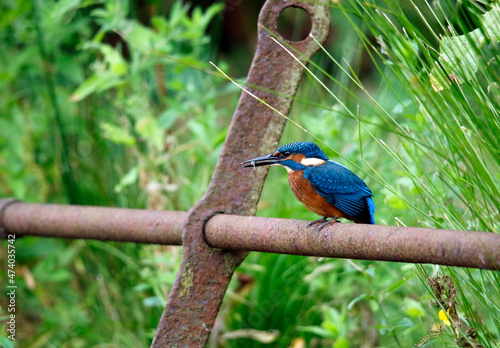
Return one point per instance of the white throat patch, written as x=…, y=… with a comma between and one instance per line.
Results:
x=312, y=161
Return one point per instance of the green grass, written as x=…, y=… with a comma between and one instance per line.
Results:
x=100, y=109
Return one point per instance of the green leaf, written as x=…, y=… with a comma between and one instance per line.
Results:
x=62, y=8
x=414, y=308
x=5, y=342
x=160, y=24
x=316, y=330
x=491, y=23
x=341, y=342
x=403, y=323
x=128, y=179
x=356, y=300
x=116, y=62
x=96, y=83
x=459, y=56
x=148, y=128
x=140, y=37
x=117, y=134
x=396, y=285
x=394, y=201
x=168, y=118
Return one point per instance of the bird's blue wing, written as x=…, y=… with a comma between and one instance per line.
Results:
x=342, y=188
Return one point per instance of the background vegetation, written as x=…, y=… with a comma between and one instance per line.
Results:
x=113, y=103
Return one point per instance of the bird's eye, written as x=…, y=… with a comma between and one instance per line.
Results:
x=287, y=153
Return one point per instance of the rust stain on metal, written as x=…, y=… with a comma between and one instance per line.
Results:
x=233, y=190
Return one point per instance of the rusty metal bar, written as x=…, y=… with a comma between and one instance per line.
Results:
x=84, y=222
x=247, y=233
x=356, y=241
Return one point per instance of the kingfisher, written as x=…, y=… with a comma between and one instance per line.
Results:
x=325, y=187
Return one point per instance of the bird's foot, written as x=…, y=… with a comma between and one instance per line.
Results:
x=323, y=221
x=323, y=225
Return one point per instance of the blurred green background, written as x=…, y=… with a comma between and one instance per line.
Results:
x=114, y=103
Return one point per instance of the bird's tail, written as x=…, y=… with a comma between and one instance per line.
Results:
x=371, y=209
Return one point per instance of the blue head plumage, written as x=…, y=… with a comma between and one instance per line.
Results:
x=307, y=148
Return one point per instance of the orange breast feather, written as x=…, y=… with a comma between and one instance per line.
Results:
x=312, y=200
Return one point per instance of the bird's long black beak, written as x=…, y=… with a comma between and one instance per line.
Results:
x=262, y=161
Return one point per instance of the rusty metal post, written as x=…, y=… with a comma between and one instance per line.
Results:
x=205, y=272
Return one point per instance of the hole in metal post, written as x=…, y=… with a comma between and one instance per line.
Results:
x=294, y=24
